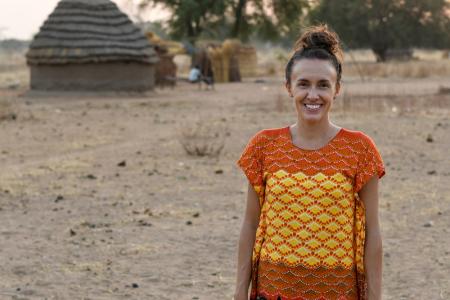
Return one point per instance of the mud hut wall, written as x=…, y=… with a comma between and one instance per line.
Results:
x=93, y=77
x=165, y=68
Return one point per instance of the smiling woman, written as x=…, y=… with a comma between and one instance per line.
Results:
x=311, y=228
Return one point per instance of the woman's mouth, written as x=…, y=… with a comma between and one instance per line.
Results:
x=312, y=107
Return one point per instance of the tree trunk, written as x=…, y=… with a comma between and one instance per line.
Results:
x=190, y=31
x=238, y=18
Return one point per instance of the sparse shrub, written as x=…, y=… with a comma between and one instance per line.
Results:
x=205, y=138
x=7, y=110
x=444, y=90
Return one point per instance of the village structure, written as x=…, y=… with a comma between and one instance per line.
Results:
x=91, y=45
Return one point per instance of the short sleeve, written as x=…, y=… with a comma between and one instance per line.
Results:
x=251, y=163
x=370, y=163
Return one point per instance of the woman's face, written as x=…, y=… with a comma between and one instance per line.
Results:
x=313, y=87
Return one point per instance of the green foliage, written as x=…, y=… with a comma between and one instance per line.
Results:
x=383, y=24
x=218, y=19
x=277, y=19
x=191, y=18
x=378, y=24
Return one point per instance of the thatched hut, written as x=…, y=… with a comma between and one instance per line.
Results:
x=91, y=45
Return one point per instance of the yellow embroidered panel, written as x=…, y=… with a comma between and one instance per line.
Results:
x=309, y=220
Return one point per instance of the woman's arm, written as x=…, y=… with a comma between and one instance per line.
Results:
x=373, y=251
x=246, y=243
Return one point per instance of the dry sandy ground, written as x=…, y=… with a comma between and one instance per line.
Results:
x=99, y=200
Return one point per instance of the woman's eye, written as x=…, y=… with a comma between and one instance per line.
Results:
x=302, y=84
x=324, y=85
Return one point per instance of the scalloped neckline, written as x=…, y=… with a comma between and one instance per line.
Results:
x=331, y=141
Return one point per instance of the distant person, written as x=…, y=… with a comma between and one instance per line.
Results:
x=311, y=229
x=196, y=76
x=207, y=71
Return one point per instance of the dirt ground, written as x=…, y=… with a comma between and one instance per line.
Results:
x=99, y=199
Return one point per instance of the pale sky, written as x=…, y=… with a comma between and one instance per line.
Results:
x=21, y=19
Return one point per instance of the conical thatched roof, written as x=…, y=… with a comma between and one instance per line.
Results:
x=89, y=31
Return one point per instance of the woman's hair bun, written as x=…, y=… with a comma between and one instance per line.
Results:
x=320, y=37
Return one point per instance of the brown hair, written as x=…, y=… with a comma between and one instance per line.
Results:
x=317, y=42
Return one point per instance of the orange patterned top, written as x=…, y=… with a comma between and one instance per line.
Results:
x=310, y=239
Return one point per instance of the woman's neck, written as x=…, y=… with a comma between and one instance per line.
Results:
x=314, y=132
x=313, y=136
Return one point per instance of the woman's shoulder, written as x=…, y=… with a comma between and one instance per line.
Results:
x=269, y=134
x=273, y=132
x=357, y=137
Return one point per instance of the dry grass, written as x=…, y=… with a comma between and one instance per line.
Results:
x=366, y=55
x=272, y=61
x=362, y=63
x=11, y=58
x=409, y=69
x=203, y=139
x=8, y=111
x=13, y=70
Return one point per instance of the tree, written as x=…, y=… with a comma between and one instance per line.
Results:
x=191, y=18
x=386, y=24
x=267, y=19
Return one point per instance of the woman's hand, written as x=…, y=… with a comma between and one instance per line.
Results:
x=373, y=253
x=241, y=295
x=246, y=243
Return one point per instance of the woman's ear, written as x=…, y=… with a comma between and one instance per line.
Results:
x=288, y=88
x=338, y=89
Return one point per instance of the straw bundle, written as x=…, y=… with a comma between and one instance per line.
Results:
x=172, y=47
x=216, y=56
x=248, y=61
x=230, y=62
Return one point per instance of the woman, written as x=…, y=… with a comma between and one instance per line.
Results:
x=311, y=226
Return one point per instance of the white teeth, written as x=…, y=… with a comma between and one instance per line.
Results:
x=312, y=106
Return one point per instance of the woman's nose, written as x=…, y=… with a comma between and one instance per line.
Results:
x=312, y=94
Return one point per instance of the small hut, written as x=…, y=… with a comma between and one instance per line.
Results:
x=91, y=45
